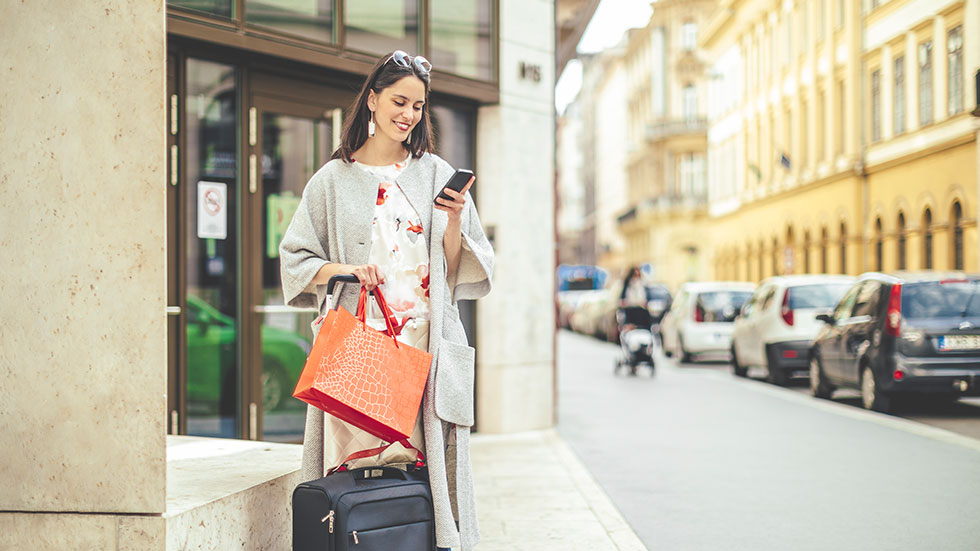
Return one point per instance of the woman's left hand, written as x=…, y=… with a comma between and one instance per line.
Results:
x=454, y=207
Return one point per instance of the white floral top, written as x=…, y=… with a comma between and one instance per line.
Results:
x=399, y=248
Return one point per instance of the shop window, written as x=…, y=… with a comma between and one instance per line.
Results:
x=925, y=83
x=460, y=32
x=806, y=252
x=823, y=250
x=898, y=96
x=380, y=26
x=879, y=261
x=954, y=48
x=312, y=19
x=956, y=223
x=901, y=243
x=927, y=239
x=843, y=248
x=221, y=8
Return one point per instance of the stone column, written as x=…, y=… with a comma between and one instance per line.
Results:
x=515, y=378
x=82, y=188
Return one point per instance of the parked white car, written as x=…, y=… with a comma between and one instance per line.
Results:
x=700, y=318
x=776, y=327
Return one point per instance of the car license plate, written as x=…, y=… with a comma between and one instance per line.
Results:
x=959, y=342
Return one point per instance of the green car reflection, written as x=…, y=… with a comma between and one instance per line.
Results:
x=211, y=381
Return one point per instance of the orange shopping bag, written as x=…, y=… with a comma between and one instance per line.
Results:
x=364, y=376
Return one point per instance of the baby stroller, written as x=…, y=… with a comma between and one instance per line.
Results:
x=636, y=339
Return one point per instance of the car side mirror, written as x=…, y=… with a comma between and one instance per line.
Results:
x=826, y=318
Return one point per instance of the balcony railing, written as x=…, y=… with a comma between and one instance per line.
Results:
x=676, y=128
x=662, y=203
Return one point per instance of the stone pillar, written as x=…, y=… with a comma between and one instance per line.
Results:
x=82, y=192
x=515, y=378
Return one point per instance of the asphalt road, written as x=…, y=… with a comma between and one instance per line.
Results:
x=696, y=459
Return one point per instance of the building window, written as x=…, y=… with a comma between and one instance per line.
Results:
x=379, y=26
x=956, y=222
x=689, y=36
x=823, y=250
x=843, y=248
x=841, y=118
x=459, y=37
x=761, y=260
x=954, y=47
x=690, y=103
x=927, y=239
x=821, y=126
x=821, y=20
x=898, y=96
x=925, y=83
x=221, y=8
x=876, y=105
x=879, y=261
x=901, y=242
x=310, y=19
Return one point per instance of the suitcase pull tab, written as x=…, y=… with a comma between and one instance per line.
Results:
x=330, y=518
x=355, y=537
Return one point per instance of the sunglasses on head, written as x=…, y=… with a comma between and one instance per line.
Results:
x=421, y=64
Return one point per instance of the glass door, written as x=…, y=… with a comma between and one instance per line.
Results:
x=292, y=142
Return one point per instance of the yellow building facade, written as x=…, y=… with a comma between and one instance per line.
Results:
x=839, y=136
x=666, y=164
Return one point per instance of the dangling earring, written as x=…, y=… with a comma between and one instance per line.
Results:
x=370, y=124
x=408, y=140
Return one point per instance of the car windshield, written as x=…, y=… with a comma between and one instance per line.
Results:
x=941, y=299
x=722, y=305
x=824, y=295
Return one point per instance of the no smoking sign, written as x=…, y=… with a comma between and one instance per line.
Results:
x=212, y=212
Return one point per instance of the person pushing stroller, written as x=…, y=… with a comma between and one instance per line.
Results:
x=634, y=321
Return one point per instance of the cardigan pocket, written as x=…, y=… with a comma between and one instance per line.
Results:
x=454, y=383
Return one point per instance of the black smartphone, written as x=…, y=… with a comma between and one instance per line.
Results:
x=456, y=183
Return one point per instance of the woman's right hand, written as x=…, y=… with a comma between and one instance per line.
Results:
x=369, y=275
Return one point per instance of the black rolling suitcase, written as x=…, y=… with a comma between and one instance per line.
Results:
x=365, y=509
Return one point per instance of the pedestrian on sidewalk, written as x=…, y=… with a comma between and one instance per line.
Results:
x=370, y=212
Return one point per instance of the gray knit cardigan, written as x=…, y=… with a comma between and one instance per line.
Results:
x=333, y=224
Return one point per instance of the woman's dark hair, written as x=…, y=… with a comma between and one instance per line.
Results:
x=384, y=74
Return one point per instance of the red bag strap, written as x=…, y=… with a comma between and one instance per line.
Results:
x=377, y=451
x=385, y=311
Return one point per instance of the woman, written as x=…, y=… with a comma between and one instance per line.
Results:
x=370, y=212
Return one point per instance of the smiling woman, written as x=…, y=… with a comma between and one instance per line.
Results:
x=370, y=212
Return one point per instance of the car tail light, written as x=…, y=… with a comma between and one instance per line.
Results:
x=893, y=319
x=786, y=311
x=698, y=313
x=898, y=375
x=790, y=354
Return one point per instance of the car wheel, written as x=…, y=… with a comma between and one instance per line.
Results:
x=776, y=376
x=737, y=369
x=274, y=385
x=871, y=397
x=819, y=387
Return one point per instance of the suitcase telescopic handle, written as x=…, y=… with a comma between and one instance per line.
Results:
x=340, y=278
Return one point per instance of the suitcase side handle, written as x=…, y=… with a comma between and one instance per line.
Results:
x=340, y=278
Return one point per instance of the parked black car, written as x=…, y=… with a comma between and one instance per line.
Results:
x=901, y=334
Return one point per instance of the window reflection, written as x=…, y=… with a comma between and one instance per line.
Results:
x=460, y=31
x=380, y=26
x=213, y=7
x=311, y=19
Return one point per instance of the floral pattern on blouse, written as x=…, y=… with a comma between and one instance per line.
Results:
x=399, y=248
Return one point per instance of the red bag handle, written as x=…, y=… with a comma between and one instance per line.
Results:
x=377, y=451
x=385, y=310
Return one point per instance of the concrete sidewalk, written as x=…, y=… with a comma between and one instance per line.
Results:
x=533, y=493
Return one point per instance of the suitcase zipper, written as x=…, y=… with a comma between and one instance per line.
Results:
x=355, y=537
x=330, y=518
